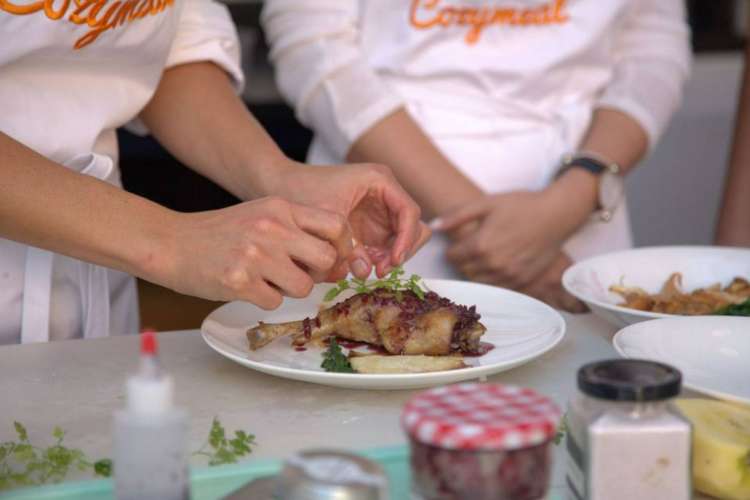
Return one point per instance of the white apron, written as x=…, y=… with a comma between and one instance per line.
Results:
x=71, y=74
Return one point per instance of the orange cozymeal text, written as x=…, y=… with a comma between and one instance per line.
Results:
x=429, y=14
x=98, y=15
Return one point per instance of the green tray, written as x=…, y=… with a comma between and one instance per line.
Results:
x=213, y=483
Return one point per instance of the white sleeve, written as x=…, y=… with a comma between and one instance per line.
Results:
x=653, y=57
x=322, y=71
x=206, y=33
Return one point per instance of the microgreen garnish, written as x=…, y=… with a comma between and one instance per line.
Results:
x=393, y=282
x=24, y=464
x=334, y=359
x=222, y=450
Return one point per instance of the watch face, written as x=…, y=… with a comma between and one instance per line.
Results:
x=611, y=191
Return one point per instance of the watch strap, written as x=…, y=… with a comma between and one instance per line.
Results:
x=593, y=163
x=597, y=166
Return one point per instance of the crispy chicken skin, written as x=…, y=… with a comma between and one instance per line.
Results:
x=400, y=325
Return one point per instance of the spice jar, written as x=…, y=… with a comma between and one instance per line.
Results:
x=625, y=440
x=480, y=442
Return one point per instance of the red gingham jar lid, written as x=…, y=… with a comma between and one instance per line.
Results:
x=480, y=417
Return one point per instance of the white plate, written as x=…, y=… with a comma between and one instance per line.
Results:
x=649, y=268
x=712, y=352
x=520, y=328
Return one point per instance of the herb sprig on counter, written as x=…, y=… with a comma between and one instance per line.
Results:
x=221, y=450
x=24, y=464
x=742, y=309
x=394, y=282
x=334, y=359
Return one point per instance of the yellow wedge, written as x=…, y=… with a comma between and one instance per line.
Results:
x=721, y=447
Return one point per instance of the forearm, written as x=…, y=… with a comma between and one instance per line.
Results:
x=734, y=218
x=196, y=115
x=612, y=135
x=46, y=205
x=434, y=182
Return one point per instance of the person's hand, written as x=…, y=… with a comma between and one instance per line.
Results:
x=518, y=235
x=548, y=288
x=384, y=219
x=255, y=251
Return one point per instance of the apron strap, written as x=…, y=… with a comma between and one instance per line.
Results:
x=94, y=283
x=37, y=284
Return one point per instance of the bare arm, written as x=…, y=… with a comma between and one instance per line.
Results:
x=197, y=116
x=46, y=205
x=238, y=253
x=216, y=136
x=734, y=218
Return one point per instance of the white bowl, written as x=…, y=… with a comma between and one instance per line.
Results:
x=710, y=351
x=648, y=268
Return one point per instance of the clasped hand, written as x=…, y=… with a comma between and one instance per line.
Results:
x=513, y=240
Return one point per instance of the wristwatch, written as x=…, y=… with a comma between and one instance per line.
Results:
x=611, y=183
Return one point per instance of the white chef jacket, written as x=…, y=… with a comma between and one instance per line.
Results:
x=504, y=88
x=70, y=74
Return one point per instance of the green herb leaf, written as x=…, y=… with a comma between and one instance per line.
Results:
x=393, y=282
x=103, y=467
x=21, y=431
x=334, y=359
x=23, y=464
x=562, y=429
x=217, y=436
x=742, y=309
x=332, y=294
x=223, y=450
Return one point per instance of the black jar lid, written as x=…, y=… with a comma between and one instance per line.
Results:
x=629, y=380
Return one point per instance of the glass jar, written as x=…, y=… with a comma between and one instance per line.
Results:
x=625, y=439
x=480, y=442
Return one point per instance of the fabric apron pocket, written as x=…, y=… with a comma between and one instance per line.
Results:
x=94, y=283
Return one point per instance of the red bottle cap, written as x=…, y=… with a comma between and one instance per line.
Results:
x=149, y=346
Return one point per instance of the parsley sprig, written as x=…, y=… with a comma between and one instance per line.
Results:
x=334, y=359
x=24, y=464
x=220, y=450
x=393, y=282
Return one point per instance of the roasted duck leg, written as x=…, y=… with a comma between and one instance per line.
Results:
x=403, y=324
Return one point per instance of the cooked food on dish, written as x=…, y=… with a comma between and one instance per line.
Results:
x=433, y=325
x=377, y=363
x=424, y=331
x=734, y=299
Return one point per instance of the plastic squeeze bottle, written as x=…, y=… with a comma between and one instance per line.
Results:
x=150, y=435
